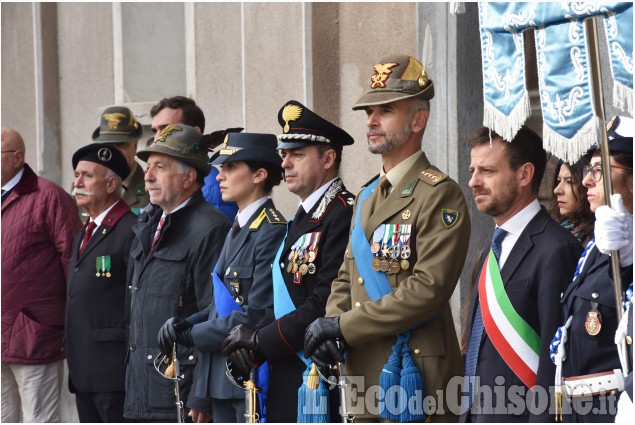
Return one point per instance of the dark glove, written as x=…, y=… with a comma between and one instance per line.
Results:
x=242, y=349
x=320, y=341
x=175, y=330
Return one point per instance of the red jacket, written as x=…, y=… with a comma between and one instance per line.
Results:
x=39, y=221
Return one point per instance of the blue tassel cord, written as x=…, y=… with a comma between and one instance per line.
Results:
x=390, y=377
x=313, y=398
x=411, y=385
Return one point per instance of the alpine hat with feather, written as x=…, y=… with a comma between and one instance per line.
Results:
x=396, y=77
x=303, y=127
x=187, y=144
x=118, y=125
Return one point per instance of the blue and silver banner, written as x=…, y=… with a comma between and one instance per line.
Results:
x=570, y=125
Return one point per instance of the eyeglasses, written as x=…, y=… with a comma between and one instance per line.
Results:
x=8, y=151
x=596, y=171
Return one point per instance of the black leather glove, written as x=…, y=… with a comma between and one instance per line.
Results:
x=242, y=349
x=242, y=336
x=174, y=330
x=320, y=341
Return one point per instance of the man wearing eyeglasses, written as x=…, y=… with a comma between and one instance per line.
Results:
x=39, y=222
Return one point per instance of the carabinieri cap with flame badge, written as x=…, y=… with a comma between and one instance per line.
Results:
x=303, y=127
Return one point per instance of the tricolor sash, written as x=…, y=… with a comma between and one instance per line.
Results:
x=516, y=342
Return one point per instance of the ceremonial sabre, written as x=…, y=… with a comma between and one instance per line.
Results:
x=251, y=394
x=173, y=373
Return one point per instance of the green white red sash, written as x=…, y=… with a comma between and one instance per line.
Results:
x=516, y=342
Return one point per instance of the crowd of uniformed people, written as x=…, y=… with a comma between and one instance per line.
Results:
x=186, y=294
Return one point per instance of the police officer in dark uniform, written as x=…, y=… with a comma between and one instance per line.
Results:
x=588, y=361
x=96, y=326
x=307, y=261
x=120, y=127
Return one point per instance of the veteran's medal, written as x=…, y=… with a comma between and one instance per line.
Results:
x=312, y=268
x=394, y=267
x=593, y=322
x=375, y=264
x=384, y=265
x=303, y=269
x=374, y=248
x=404, y=264
x=290, y=267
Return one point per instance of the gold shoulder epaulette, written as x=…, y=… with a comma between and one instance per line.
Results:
x=271, y=214
x=432, y=176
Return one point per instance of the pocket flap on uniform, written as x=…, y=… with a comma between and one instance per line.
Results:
x=171, y=254
x=239, y=272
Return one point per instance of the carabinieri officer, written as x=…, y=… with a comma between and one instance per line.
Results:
x=308, y=259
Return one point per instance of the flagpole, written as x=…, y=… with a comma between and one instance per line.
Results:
x=598, y=102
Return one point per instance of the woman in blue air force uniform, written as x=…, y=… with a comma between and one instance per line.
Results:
x=250, y=167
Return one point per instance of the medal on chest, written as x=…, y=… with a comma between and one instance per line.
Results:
x=103, y=266
x=593, y=322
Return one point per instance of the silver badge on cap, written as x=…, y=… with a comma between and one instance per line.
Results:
x=104, y=154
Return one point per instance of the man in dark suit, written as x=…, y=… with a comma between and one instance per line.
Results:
x=515, y=304
x=308, y=259
x=96, y=330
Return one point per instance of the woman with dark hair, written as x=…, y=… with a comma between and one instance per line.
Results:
x=250, y=167
x=569, y=206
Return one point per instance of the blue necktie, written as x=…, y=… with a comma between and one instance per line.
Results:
x=477, y=325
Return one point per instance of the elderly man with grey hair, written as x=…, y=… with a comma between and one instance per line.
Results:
x=173, y=254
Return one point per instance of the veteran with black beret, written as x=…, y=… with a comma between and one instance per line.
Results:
x=306, y=261
x=173, y=254
x=409, y=241
x=96, y=327
x=119, y=128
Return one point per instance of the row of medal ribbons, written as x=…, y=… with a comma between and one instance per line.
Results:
x=391, y=247
x=303, y=254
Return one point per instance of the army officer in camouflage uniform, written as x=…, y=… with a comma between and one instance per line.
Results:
x=410, y=236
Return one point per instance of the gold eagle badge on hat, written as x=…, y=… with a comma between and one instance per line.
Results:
x=290, y=113
x=114, y=119
x=382, y=72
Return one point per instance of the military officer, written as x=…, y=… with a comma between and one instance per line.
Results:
x=242, y=292
x=120, y=128
x=96, y=337
x=307, y=260
x=410, y=236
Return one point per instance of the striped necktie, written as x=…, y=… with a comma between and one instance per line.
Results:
x=157, y=233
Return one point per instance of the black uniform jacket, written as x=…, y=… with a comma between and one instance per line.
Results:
x=281, y=339
x=593, y=290
x=96, y=329
x=537, y=270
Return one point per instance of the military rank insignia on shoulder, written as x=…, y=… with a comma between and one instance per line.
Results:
x=347, y=198
x=271, y=214
x=449, y=217
x=432, y=176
